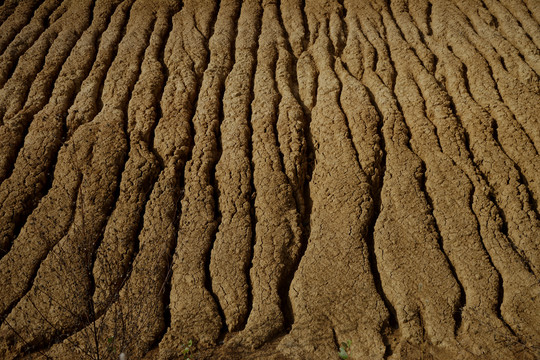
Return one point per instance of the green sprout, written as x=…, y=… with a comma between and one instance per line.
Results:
x=110, y=345
x=344, y=350
x=187, y=352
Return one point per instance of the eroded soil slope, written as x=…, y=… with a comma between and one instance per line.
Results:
x=268, y=179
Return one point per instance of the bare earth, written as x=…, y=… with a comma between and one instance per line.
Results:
x=269, y=179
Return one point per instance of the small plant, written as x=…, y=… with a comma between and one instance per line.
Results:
x=110, y=345
x=344, y=350
x=187, y=352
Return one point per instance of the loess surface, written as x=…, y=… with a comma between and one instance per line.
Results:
x=269, y=179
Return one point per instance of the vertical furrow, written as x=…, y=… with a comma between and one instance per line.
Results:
x=435, y=322
x=18, y=80
x=405, y=229
x=232, y=248
x=290, y=122
x=33, y=167
x=20, y=106
x=119, y=243
x=137, y=317
x=100, y=178
x=277, y=228
x=300, y=92
x=33, y=242
x=362, y=117
x=510, y=192
x=15, y=203
x=25, y=39
x=88, y=99
x=450, y=191
x=484, y=25
x=508, y=87
x=306, y=78
x=516, y=310
x=11, y=26
x=142, y=303
x=496, y=50
x=174, y=148
x=54, y=212
x=292, y=136
x=307, y=82
x=419, y=12
x=341, y=211
x=510, y=136
x=365, y=122
x=533, y=9
x=292, y=15
x=402, y=15
x=195, y=310
x=513, y=139
x=524, y=19
x=515, y=276
x=521, y=101
x=372, y=28
x=510, y=29
x=480, y=318
x=7, y=8
x=353, y=53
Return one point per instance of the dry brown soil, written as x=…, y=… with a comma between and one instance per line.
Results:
x=269, y=179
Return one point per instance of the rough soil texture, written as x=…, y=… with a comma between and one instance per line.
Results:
x=269, y=179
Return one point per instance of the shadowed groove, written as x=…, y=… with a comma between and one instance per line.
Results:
x=25, y=39
x=82, y=244
x=36, y=173
x=6, y=9
x=22, y=15
x=229, y=260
